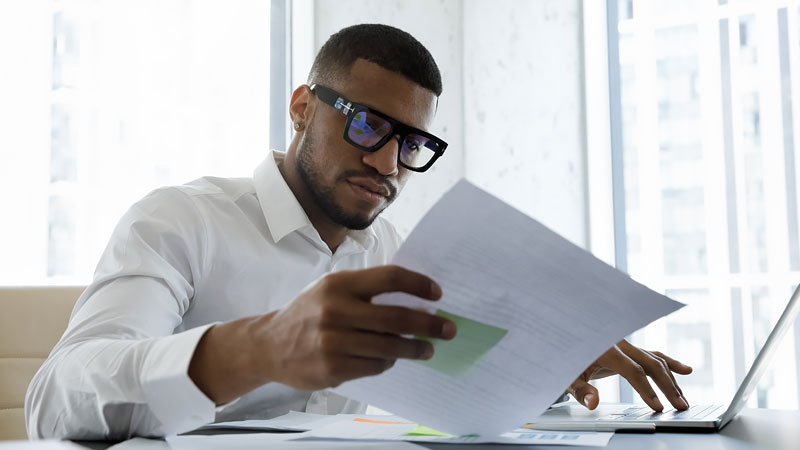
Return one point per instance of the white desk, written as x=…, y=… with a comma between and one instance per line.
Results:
x=753, y=429
x=760, y=429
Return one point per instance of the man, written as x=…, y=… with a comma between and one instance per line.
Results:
x=245, y=298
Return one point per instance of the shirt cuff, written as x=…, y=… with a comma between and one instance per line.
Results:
x=171, y=395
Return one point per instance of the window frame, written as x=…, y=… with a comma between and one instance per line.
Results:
x=606, y=183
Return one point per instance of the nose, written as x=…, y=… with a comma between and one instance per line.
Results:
x=384, y=160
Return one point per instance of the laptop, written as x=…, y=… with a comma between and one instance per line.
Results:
x=572, y=416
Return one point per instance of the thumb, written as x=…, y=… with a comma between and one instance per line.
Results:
x=585, y=393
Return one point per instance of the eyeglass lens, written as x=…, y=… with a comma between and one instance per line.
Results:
x=368, y=129
x=417, y=150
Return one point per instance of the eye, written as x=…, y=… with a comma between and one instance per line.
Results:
x=412, y=145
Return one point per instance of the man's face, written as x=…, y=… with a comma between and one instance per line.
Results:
x=350, y=185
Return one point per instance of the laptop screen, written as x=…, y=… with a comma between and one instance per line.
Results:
x=760, y=364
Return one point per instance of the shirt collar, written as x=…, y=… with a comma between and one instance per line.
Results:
x=366, y=238
x=283, y=212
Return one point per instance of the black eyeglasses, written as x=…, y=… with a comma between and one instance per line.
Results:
x=369, y=130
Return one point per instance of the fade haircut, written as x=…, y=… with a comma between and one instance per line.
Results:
x=389, y=47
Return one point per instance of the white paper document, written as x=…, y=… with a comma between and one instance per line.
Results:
x=366, y=427
x=41, y=445
x=292, y=421
x=140, y=443
x=532, y=310
x=299, y=421
x=354, y=428
x=270, y=441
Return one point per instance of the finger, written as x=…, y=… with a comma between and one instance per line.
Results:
x=637, y=377
x=585, y=393
x=368, y=283
x=669, y=371
x=675, y=365
x=350, y=367
x=400, y=320
x=657, y=369
x=381, y=346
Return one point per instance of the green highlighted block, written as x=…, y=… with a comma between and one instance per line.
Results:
x=425, y=431
x=473, y=339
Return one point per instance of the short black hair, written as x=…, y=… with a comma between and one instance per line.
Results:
x=387, y=46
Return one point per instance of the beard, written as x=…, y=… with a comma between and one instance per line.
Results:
x=324, y=195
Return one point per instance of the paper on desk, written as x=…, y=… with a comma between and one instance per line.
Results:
x=560, y=306
x=292, y=421
x=354, y=428
x=140, y=443
x=41, y=445
x=535, y=437
x=277, y=441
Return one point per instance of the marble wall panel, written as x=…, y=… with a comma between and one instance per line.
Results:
x=523, y=108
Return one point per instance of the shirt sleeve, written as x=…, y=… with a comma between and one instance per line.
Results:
x=119, y=371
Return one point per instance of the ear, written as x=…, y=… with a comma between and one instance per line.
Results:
x=301, y=109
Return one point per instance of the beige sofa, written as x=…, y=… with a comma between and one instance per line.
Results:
x=32, y=319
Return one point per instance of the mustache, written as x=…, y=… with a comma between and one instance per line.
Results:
x=377, y=179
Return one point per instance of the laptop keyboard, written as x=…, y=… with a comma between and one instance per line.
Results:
x=645, y=413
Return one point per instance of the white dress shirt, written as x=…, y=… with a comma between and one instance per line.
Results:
x=180, y=260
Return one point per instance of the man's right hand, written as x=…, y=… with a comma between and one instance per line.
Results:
x=329, y=334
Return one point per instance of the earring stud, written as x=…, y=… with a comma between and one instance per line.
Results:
x=297, y=126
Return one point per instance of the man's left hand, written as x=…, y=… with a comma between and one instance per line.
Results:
x=635, y=365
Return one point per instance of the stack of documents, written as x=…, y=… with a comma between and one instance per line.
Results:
x=357, y=429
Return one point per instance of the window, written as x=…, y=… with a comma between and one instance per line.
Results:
x=136, y=95
x=709, y=117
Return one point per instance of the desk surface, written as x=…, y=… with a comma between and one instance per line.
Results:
x=751, y=429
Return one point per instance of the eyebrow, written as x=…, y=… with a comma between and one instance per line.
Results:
x=393, y=117
x=370, y=106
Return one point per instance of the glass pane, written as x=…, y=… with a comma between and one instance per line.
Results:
x=61, y=238
x=689, y=331
x=625, y=9
x=125, y=108
x=789, y=137
x=750, y=80
x=63, y=149
x=630, y=136
x=679, y=8
x=680, y=151
x=772, y=391
x=692, y=104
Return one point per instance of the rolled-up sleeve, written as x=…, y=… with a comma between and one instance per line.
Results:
x=120, y=370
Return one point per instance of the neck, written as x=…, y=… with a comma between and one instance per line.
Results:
x=331, y=233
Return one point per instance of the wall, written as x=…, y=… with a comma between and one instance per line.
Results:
x=512, y=107
x=523, y=118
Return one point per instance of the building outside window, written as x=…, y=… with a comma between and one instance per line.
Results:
x=710, y=118
x=137, y=95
